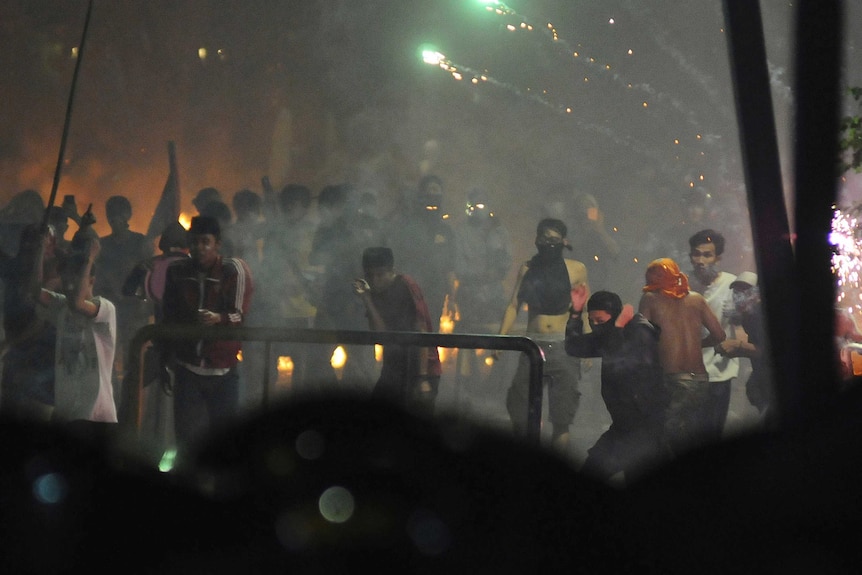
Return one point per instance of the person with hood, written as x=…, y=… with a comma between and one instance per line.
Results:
x=748, y=313
x=631, y=385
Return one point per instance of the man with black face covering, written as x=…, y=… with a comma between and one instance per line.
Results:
x=705, y=250
x=631, y=385
x=554, y=289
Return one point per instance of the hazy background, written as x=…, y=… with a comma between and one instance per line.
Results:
x=325, y=91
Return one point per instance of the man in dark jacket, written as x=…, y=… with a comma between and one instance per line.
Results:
x=206, y=290
x=748, y=312
x=631, y=385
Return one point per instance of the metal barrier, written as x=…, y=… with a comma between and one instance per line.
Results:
x=133, y=385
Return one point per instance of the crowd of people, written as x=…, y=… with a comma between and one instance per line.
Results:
x=272, y=259
x=256, y=259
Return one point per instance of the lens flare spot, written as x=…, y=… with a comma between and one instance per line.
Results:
x=310, y=444
x=428, y=532
x=336, y=504
x=50, y=488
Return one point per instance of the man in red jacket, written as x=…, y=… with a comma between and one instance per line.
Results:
x=410, y=376
x=206, y=290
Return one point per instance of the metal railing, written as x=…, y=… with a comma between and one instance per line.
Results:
x=133, y=385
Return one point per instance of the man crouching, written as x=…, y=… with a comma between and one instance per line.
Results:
x=631, y=386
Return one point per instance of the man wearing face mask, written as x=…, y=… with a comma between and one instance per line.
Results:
x=705, y=250
x=425, y=242
x=631, y=385
x=747, y=313
x=554, y=289
x=483, y=259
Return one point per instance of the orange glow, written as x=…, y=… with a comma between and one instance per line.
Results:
x=378, y=352
x=447, y=325
x=185, y=220
x=445, y=353
x=339, y=358
x=449, y=316
x=285, y=371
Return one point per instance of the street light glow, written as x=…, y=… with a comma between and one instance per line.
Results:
x=432, y=57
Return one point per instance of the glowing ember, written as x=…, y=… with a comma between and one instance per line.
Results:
x=285, y=368
x=447, y=325
x=339, y=358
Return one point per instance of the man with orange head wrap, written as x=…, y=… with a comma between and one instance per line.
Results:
x=681, y=315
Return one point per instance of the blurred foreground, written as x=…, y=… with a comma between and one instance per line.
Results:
x=343, y=485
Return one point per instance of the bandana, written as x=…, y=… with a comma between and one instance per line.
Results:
x=744, y=303
x=663, y=275
x=546, y=287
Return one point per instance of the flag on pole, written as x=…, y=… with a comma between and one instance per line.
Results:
x=168, y=208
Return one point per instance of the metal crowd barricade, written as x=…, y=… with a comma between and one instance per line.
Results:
x=133, y=386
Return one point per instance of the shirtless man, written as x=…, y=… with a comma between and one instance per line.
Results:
x=682, y=315
x=550, y=285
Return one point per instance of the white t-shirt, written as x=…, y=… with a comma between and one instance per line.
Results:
x=719, y=296
x=84, y=361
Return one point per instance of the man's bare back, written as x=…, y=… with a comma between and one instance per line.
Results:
x=681, y=321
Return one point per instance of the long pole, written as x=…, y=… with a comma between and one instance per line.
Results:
x=770, y=227
x=818, y=87
x=66, y=123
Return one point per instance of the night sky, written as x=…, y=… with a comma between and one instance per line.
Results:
x=630, y=101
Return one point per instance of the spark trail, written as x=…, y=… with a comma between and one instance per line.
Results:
x=460, y=72
x=606, y=70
